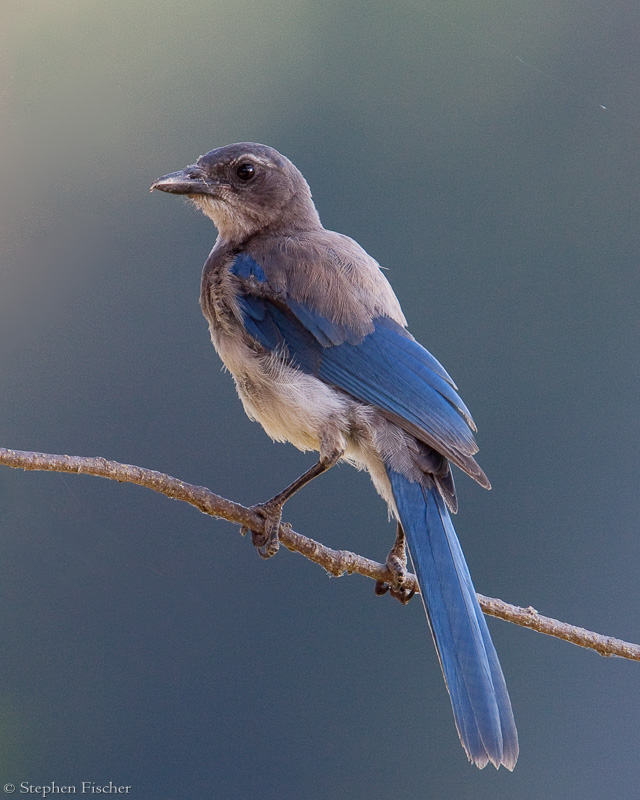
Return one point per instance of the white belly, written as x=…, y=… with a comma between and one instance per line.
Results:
x=290, y=405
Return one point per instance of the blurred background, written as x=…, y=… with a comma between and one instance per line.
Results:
x=487, y=155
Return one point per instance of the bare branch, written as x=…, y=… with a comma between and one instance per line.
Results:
x=335, y=562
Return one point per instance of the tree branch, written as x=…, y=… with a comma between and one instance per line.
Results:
x=335, y=562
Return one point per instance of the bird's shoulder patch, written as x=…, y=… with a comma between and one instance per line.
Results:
x=330, y=274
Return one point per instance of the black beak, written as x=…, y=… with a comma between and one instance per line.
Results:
x=190, y=180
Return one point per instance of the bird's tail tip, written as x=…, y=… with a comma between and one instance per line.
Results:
x=507, y=759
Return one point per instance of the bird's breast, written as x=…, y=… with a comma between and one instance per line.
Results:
x=218, y=297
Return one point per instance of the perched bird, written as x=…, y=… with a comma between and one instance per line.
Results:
x=317, y=345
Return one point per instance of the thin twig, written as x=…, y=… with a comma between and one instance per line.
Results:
x=335, y=562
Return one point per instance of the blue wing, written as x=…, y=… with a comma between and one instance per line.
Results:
x=386, y=367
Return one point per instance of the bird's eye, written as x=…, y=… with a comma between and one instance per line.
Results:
x=245, y=172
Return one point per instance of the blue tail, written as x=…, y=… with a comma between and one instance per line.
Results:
x=472, y=672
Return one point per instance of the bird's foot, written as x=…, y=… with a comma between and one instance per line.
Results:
x=401, y=593
x=397, y=565
x=267, y=541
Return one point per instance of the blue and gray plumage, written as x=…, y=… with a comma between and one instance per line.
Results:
x=316, y=341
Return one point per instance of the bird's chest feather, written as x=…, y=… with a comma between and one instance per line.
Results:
x=219, y=305
x=218, y=294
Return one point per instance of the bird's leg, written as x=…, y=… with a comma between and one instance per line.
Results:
x=397, y=565
x=267, y=541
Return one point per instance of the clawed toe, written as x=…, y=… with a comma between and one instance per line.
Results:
x=403, y=595
x=267, y=545
x=267, y=542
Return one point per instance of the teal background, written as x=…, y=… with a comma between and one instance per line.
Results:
x=465, y=146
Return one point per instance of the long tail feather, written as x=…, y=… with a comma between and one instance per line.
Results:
x=481, y=705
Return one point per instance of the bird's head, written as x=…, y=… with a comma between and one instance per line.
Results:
x=245, y=188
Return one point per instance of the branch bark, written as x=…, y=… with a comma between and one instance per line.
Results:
x=335, y=562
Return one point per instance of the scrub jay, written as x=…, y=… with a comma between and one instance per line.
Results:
x=316, y=342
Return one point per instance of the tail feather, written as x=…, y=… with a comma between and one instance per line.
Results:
x=481, y=705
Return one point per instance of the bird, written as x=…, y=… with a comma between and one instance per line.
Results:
x=316, y=341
